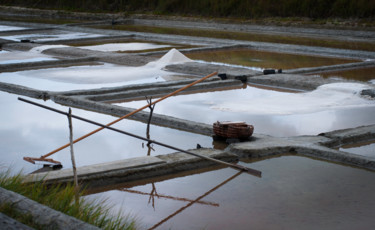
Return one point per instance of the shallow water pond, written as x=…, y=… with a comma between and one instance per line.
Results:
x=330, y=107
x=294, y=193
x=51, y=35
x=363, y=74
x=364, y=149
x=126, y=45
x=27, y=130
x=12, y=57
x=10, y=28
x=264, y=59
x=85, y=77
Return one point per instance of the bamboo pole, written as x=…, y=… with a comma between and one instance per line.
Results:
x=235, y=166
x=128, y=115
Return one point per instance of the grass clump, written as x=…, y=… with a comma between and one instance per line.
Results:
x=61, y=198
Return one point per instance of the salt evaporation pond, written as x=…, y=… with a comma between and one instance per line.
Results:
x=294, y=193
x=94, y=76
x=363, y=149
x=265, y=59
x=12, y=57
x=362, y=74
x=10, y=28
x=27, y=130
x=121, y=47
x=51, y=35
x=329, y=107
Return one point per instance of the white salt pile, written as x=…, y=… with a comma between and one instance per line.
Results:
x=172, y=57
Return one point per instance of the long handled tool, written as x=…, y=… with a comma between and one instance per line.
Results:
x=235, y=166
x=44, y=157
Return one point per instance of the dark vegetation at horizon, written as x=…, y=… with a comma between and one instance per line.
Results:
x=316, y=9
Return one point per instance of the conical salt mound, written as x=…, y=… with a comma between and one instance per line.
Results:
x=173, y=56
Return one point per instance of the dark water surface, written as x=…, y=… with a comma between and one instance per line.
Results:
x=264, y=59
x=294, y=193
x=363, y=74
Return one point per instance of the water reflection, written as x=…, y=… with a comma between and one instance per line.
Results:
x=195, y=201
x=364, y=149
x=264, y=59
x=83, y=77
x=364, y=74
x=26, y=130
x=275, y=113
x=121, y=47
x=294, y=193
x=22, y=57
x=51, y=35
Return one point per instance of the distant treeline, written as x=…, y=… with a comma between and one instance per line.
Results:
x=215, y=8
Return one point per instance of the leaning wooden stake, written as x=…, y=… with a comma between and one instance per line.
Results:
x=76, y=188
x=43, y=158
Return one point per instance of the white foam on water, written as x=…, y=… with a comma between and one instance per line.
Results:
x=131, y=46
x=326, y=97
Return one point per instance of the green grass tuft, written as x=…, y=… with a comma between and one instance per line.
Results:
x=61, y=198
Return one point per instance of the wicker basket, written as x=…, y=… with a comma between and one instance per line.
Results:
x=239, y=130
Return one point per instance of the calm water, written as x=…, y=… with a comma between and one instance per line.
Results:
x=364, y=74
x=84, y=77
x=272, y=112
x=293, y=193
x=26, y=130
x=364, y=149
x=263, y=59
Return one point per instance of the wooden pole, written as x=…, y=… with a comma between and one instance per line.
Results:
x=129, y=114
x=76, y=188
x=235, y=166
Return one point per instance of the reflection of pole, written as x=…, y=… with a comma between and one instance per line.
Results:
x=152, y=195
x=235, y=166
x=151, y=107
x=168, y=197
x=195, y=201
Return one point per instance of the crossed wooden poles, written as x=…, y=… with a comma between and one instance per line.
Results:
x=108, y=126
